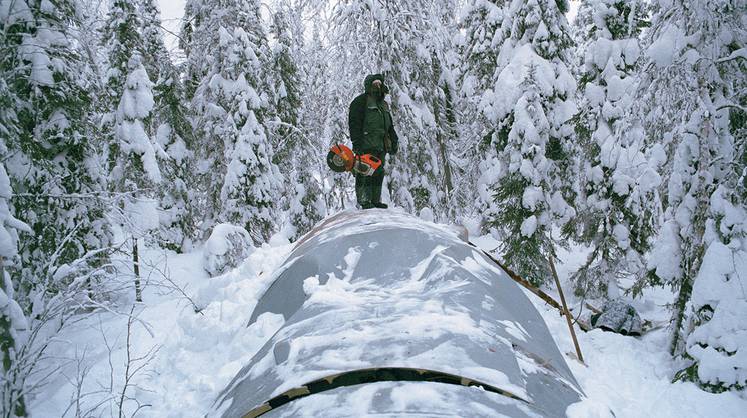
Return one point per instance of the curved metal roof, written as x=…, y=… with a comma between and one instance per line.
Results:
x=381, y=289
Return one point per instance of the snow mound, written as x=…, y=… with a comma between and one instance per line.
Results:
x=226, y=248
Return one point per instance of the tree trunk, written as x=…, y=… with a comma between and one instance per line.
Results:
x=136, y=269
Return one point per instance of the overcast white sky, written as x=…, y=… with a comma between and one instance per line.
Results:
x=573, y=10
x=171, y=14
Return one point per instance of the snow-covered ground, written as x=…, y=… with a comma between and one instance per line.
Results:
x=193, y=354
x=181, y=359
x=631, y=375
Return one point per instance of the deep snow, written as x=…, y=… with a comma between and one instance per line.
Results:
x=194, y=355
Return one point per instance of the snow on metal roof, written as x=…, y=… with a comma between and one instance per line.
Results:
x=382, y=289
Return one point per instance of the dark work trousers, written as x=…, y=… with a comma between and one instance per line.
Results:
x=368, y=188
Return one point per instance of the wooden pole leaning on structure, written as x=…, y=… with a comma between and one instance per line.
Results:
x=565, y=309
x=544, y=296
x=525, y=283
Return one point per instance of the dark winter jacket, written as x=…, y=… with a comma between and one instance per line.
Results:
x=370, y=122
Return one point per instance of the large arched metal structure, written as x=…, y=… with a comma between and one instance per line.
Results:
x=389, y=315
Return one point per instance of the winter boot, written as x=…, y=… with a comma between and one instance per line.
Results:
x=363, y=191
x=377, y=181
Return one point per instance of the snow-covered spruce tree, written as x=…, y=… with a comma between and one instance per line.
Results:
x=530, y=107
x=693, y=91
x=295, y=153
x=481, y=23
x=121, y=38
x=136, y=168
x=613, y=217
x=407, y=42
x=133, y=28
x=323, y=116
x=288, y=80
x=132, y=154
x=195, y=65
x=155, y=56
x=716, y=345
x=199, y=33
x=136, y=173
x=51, y=162
x=53, y=169
x=13, y=322
x=172, y=132
x=231, y=108
x=100, y=120
x=251, y=185
x=447, y=120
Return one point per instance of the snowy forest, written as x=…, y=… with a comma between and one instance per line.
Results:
x=134, y=156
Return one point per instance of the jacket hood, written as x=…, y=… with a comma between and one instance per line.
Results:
x=370, y=79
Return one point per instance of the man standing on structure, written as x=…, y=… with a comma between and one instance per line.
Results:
x=372, y=132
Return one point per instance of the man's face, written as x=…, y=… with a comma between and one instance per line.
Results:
x=376, y=87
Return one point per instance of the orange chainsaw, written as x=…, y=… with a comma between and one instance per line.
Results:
x=341, y=158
